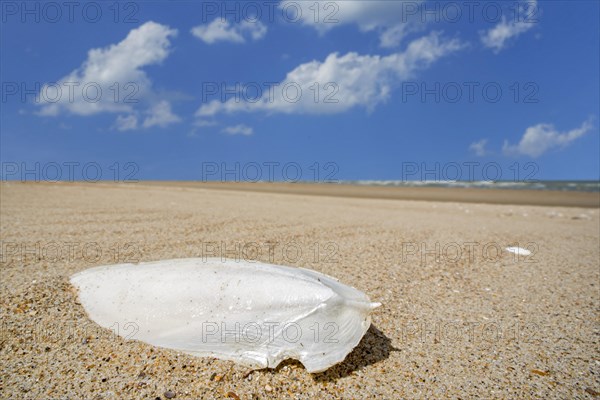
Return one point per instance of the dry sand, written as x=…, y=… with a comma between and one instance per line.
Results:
x=458, y=318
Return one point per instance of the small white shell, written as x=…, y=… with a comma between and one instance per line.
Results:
x=249, y=312
x=518, y=250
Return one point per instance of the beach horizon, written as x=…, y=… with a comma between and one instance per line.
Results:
x=500, y=196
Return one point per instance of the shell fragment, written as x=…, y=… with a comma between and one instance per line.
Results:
x=519, y=251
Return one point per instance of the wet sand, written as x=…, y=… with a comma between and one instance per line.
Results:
x=461, y=317
x=462, y=195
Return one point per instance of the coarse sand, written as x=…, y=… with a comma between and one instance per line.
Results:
x=461, y=316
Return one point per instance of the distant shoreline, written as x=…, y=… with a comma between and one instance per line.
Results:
x=556, y=185
x=459, y=195
x=445, y=194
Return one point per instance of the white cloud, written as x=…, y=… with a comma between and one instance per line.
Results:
x=479, y=148
x=198, y=124
x=114, y=77
x=160, y=115
x=391, y=19
x=222, y=30
x=540, y=138
x=343, y=81
x=201, y=123
x=524, y=19
x=392, y=37
x=126, y=123
x=240, y=129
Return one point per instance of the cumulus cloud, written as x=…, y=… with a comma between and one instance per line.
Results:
x=340, y=82
x=223, y=31
x=498, y=37
x=240, y=129
x=540, y=138
x=112, y=80
x=160, y=115
x=479, y=147
x=391, y=19
x=201, y=123
x=126, y=122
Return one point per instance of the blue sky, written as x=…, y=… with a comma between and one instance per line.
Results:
x=411, y=87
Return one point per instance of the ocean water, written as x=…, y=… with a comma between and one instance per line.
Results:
x=573, y=186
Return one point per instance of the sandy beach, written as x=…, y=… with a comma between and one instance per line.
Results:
x=461, y=316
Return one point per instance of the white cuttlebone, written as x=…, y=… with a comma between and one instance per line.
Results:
x=192, y=305
x=518, y=250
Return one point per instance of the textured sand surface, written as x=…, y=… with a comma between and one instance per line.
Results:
x=461, y=317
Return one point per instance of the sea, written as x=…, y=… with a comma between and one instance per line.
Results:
x=568, y=186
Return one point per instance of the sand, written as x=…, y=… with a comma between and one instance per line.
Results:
x=464, y=195
x=461, y=317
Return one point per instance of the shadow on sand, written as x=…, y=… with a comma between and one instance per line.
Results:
x=373, y=347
